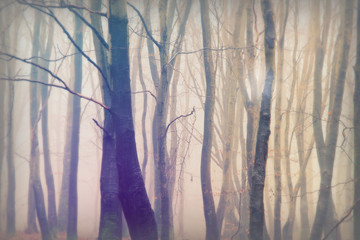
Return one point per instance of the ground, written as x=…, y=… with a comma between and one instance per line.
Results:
x=36, y=236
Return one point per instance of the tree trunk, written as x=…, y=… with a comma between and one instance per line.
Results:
x=174, y=144
x=10, y=42
x=35, y=183
x=226, y=188
x=75, y=132
x=65, y=182
x=212, y=230
x=257, y=219
x=357, y=130
x=34, y=110
x=132, y=193
x=111, y=213
x=40, y=210
x=52, y=215
x=327, y=154
x=2, y=119
x=143, y=117
x=278, y=149
x=10, y=208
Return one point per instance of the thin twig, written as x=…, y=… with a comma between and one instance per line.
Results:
x=52, y=15
x=63, y=6
x=65, y=87
x=342, y=219
x=210, y=49
x=181, y=116
x=102, y=128
x=145, y=26
x=146, y=91
x=98, y=35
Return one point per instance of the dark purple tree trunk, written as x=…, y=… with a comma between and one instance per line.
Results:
x=257, y=219
x=133, y=197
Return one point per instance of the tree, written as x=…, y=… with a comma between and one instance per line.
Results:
x=10, y=207
x=75, y=132
x=258, y=177
x=132, y=192
x=35, y=188
x=34, y=149
x=111, y=212
x=2, y=118
x=212, y=230
x=64, y=192
x=278, y=117
x=43, y=76
x=326, y=147
x=357, y=130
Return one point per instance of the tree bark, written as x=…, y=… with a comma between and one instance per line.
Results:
x=10, y=208
x=327, y=154
x=132, y=193
x=34, y=110
x=111, y=211
x=65, y=182
x=212, y=230
x=75, y=132
x=41, y=211
x=357, y=130
x=278, y=146
x=257, y=219
x=35, y=183
x=49, y=176
x=2, y=119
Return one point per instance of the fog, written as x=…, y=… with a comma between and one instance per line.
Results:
x=311, y=157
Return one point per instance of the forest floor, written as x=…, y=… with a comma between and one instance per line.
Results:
x=37, y=236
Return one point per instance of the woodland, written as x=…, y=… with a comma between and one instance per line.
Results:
x=179, y=119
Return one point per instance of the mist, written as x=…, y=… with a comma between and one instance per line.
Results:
x=168, y=119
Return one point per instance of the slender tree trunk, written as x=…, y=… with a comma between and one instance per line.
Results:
x=224, y=202
x=65, y=182
x=52, y=215
x=111, y=211
x=41, y=211
x=289, y=224
x=143, y=117
x=75, y=132
x=212, y=230
x=2, y=120
x=278, y=146
x=174, y=144
x=181, y=179
x=333, y=125
x=257, y=219
x=161, y=111
x=34, y=110
x=10, y=208
x=357, y=130
x=35, y=183
x=10, y=41
x=136, y=206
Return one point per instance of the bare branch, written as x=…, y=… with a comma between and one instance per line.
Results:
x=145, y=26
x=210, y=49
x=52, y=15
x=146, y=91
x=63, y=6
x=102, y=128
x=65, y=87
x=181, y=116
x=342, y=219
x=101, y=39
